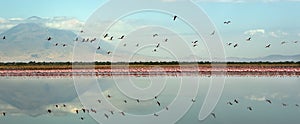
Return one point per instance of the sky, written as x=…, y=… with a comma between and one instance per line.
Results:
x=266, y=21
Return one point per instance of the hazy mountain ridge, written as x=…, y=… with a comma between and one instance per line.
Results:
x=28, y=42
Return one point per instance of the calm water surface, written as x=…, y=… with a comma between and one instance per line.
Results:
x=27, y=100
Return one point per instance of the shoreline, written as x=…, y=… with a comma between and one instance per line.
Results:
x=152, y=70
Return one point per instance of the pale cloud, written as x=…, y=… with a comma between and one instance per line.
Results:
x=256, y=98
x=278, y=34
x=65, y=23
x=255, y=31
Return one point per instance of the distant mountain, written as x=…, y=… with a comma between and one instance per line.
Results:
x=28, y=42
x=271, y=58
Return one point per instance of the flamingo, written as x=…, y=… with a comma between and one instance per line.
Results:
x=250, y=108
x=174, y=18
x=269, y=101
x=227, y=22
x=248, y=39
x=106, y=115
x=268, y=46
x=229, y=103
x=213, y=33
x=49, y=111
x=213, y=115
x=122, y=113
x=236, y=101
x=158, y=103
x=235, y=45
x=49, y=38
x=122, y=37
x=106, y=35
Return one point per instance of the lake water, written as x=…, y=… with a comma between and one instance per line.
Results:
x=26, y=100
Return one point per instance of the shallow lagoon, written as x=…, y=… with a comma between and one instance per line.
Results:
x=26, y=100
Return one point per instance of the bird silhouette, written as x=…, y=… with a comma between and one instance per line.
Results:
x=227, y=22
x=122, y=37
x=269, y=101
x=229, y=44
x=137, y=100
x=157, y=45
x=213, y=33
x=81, y=118
x=122, y=113
x=3, y=38
x=125, y=101
x=99, y=48
x=56, y=106
x=155, y=35
x=76, y=39
x=213, y=115
x=156, y=115
x=297, y=105
x=93, y=40
x=64, y=45
x=248, y=39
x=284, y=104
x=64, y=105
x=296, y=42
x=193, y=100
x=158, y=103
x=106, y=115
x=49, y=111
x=93, y=110
x=56, y=44
x=77, y=111
x=108, y=96
x=111, y=38
x=155, y=50
x=194, y=42
x=49, y=38
x=250, y=108
x=124, y=44
x=268, y=46
x=112, y=112
x=81, y=31
x=108, y=52
x=229, y=103
x=137, y=45
x=236, y=101
x=174, y=18
x=84, y=110
x=99, y=101
x=106, y=35
x=235, y=45
x=166, y=40
x=3, y=113
x=283, y=42
x=155, y=97
x=167, y=108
